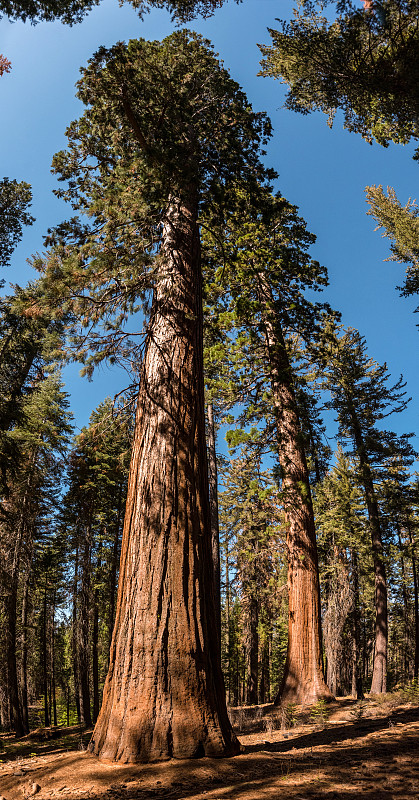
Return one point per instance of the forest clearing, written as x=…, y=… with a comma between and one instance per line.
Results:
x=346, y=750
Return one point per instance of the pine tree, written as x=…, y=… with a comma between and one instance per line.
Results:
x=400, y=224
x=41, y=434
x=93, y=511
x=15, y=198
x=251, y=521
x=364, y=62
x=344, y=564
x=362, y=397
x=73, y=11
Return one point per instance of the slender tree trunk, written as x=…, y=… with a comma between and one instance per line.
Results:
x=24, y=653
x=252, y=651
x=228, y=624
x=53, y=687
x=265, y=678
x=114, y=568
x=84, y=659
x=95, y=641
x=215, y=530
x=44, y=651
x=303, y=680
x=356, y=671
x=379, y=675
x=416, y=600
x=405, y=657
x=164, y=694
x=74, y=634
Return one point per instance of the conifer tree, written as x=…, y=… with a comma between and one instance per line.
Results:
x=165, y=132
x=41, y=434
x=15, y=198
x=400, y=224
x=362, y=397
x=258, y=267
x=344, y=564
x=364, y=62
x=252, y=527
x=73, y=11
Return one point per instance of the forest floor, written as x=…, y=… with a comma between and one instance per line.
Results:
x=347, y=750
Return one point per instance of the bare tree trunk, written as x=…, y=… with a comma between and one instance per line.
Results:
x=356, y=670
x=53, y=692
x=265, y=678
x=74, y=634
x=44, y=651
x=252, y=650
x=215, y=531
x=303, y=680
x=416, y=600
x=405, y=656
x=164, y=694
x=84, y=659
x=24, y=653
x=114, y=568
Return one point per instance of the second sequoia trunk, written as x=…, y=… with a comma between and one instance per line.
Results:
x=303, y=680
x=164, y=694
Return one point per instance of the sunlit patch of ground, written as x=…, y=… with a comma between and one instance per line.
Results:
x=347, y=751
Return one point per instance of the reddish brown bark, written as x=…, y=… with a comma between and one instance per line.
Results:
x=164, y=693
x=303, y=680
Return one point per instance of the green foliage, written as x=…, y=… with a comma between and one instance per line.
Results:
x=163, y=119
x=15, y=198
x=400, y=224
x=319, y=712
x=364, y=62
x=73, y=11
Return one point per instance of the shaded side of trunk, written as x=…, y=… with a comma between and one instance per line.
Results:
x=164, y=694
x=215, y=530
x=303, y=680
x=379, y=675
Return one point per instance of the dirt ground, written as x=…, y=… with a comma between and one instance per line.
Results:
x=348, y=751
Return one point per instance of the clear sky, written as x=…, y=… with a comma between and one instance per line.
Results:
x=322, y=171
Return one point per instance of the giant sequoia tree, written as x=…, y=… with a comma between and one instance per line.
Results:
x=259, y=268
x=165, y=132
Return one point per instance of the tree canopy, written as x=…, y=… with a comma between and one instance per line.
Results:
x=364, y=62
x=73, y=11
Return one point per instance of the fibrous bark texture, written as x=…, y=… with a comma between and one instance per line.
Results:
x=164, y=694
x=303, y=681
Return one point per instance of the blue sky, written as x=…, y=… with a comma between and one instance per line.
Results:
x=322, y=171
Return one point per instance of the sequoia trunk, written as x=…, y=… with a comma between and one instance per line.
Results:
x=164, y=693
x=303, y=680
